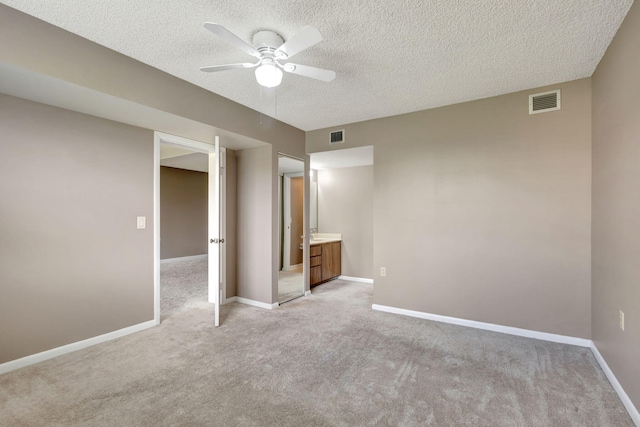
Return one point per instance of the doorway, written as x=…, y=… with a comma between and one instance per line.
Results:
x=183, y=223
x=345, y=206
x=214, y=235
x=292, y=228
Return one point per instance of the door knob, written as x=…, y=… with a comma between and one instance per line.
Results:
x=221, y=240
x=214, y=240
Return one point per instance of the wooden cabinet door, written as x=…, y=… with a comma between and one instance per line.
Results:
x=336, y=261
x=331, y=260
x=315, y=276
x=327, y=261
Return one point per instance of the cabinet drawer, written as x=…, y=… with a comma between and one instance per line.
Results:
x=315, y=261
x=315, y=250
x=315, y=275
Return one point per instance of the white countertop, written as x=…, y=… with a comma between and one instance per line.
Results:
x=320, y=238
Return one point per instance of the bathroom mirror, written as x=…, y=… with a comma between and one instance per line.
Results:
x=292, y=227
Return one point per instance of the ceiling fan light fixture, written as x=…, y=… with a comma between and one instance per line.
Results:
x=268, y=75
x=270, y=49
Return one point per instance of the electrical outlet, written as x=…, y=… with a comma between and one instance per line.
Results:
x=141, y=222
x=621, y=320
x=383, y=271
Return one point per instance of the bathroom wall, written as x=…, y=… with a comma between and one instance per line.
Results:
x=345, y=205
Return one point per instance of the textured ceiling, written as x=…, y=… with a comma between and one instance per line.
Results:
x=391, y=57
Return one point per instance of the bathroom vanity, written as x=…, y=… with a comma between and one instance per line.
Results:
x=325, y=257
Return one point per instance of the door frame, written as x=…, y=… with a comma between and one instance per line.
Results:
x=201, y=147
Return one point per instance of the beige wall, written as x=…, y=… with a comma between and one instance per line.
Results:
x=254, y=224
x=183, y=213
x=297, y=226
x=73, y=263
x=616, y=204
x=345, y=205
x=482, y=211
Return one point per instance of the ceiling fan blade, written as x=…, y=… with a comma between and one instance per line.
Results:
x=228, y=67
x=307, y=71
x=221, y=31
x=304, y=39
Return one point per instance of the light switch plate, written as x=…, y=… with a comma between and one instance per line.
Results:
x=142, y=222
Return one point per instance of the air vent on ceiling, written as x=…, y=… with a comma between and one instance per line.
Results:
x=544, y=102
x=337, y=136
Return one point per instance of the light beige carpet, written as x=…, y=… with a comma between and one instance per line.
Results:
x=322, y=360
x=183, y=285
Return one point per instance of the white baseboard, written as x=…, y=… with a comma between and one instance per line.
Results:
x=184, y=258
x=59, y=351
x=563, y=339
x=307, y=293
x=355, y=279
x=253, y=303
x=633, y=411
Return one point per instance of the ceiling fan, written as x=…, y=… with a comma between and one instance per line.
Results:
x=271, y=51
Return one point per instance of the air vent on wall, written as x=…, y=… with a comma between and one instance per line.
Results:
x=544, y=102
x=337, y=136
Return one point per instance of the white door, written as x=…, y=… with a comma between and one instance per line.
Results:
x=216, y=240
